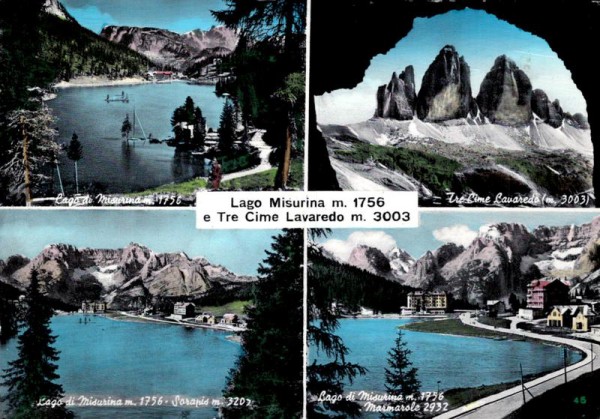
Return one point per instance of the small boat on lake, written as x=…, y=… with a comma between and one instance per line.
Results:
x=117, y=98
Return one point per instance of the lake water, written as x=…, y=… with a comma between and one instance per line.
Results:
x=120, y=359
x=107, y=160
x=456, y=361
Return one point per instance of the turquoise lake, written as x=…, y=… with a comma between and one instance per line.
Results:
x=455, y=361
x=107, y=160
x=119, y=359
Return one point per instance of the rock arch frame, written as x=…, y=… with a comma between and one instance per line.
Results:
x=347, y=34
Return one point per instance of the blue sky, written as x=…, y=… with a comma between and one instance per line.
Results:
x=26, y=232
x=176, y=15
x=480, y=38
x=439, y=227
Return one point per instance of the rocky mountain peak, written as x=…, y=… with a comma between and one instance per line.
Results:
x=446, y=88
x=370, y=259
x=505, y=94
x=12, y=264
x=54, y=7
x=549, y=112
x=580, y=121
x=424, y=273
x=396, y=100
x=447, y=252
x=400, y=261
x=514, y=237
x=58, y=250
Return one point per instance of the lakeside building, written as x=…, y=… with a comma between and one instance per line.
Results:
x=576, y=317
x=495, y=307
x=229, y=318
x=426, y=302
x=183, y=310
x=543, y=294
x=206, y=318
x=161, y=75
x=93, y=307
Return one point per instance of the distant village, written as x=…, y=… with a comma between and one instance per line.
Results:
x=552, y=307
x=185, y=313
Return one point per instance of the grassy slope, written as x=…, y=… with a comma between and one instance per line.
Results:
x=434, y=164
x=435, y=171
x=266, y=179
x=236, y=307
x=452, y=327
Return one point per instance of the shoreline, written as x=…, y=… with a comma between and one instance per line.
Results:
x=99, y=81
x=103, y=81
x=123, y=316
x=395, y=316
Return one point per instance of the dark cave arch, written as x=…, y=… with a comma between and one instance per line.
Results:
x=346, y=35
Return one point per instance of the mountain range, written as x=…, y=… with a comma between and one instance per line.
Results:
x=502, y=259
x=125, y=51
x=124, y=278
x=506, y=96
x=172, y=50
x=510, y=138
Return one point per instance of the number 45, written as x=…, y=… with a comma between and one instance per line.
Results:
x=580, y=400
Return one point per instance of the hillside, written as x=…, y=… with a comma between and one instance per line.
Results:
x=70, y=50
x=354, y=287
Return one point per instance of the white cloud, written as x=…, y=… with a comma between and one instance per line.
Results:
x=341, y=249
x=459, y=234
x=92, y=17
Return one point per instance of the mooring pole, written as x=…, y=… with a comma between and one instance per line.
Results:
x=25, y=163
x=522, y=383
x=565, y=362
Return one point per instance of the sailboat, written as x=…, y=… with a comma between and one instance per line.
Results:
x=133, y=137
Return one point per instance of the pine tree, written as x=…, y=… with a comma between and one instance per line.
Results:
x=291, y=96
x=269, y=371
x=401, y=377
x=29, y=153
x=31, y=378
x=269, y=53
x=21, y=44
x=75, y=153
x=326, y=377
x=227, y=127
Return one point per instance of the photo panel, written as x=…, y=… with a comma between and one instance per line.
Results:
x=478, y=314
x=145, y=102
x=469, y=103
x=148, y=317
